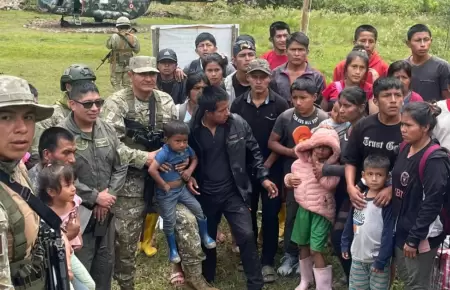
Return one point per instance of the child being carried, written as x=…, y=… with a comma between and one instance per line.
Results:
x=171, y=186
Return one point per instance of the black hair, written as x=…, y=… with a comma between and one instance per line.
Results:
x=193, y=79
x=298, y=37
x=377, y=161
x=384, y=84
x=246, y=37
x=210, y=97
x=175, y=127
x=358, y=47
x=50, y=138
x=423, y=113
x=205, y=36
x=417, y=28
x=400, y=65
x=217, y=58
x=368, y=28
x=80, y=89
x=355, y=54
x=34, y=91
x=304, y=84
x=50, y=177
x=354, y=95
x=278, y=25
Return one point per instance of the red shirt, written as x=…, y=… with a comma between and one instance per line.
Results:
x=375, y=62
x=275, y=60
x=332, y=91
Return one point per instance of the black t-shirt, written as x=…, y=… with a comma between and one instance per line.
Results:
x=167, y=86
x=371, y=137
x=238, y=88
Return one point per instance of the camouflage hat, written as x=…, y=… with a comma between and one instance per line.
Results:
x=141, y=64
x=15, y=91
x=259, y=64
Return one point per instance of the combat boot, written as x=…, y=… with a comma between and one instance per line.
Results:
x=207, y=241
x=198, y=283
x=149, y=230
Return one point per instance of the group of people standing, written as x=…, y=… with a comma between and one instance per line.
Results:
x=350, y=159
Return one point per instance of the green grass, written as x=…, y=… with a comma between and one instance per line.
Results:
x=40, y=57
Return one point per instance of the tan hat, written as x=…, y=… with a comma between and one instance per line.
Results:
x=141, y=64
x=259, y=64
x=15, y=91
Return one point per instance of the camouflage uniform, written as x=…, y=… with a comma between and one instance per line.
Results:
x=19, y=224
x=123, y=45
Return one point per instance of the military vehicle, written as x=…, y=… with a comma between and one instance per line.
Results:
x=99, y=9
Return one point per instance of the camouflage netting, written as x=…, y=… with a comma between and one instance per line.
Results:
x=11, y=4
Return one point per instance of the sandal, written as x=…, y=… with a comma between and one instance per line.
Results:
x=177, y=279
x=269, y=274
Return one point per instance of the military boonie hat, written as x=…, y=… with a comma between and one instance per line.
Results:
x=15, y=91
x=167, y=54
x=141, y=64
x=259, y=65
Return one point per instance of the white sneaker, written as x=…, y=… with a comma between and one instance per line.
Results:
x=288, y=266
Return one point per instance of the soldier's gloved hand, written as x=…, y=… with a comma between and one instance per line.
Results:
x=105, y=199
x=179, y=74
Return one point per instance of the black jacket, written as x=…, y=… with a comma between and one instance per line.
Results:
x=178, y=92
x=239, y=143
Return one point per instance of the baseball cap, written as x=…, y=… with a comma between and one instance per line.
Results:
x=301, y=133
x=259, y=65
x=141, y=64
x=15, y=91
x=241, y=45
x=167, y=54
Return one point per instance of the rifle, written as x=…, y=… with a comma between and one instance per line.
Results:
x=104, y=59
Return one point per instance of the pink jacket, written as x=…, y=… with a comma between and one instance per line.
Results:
x=315, y=195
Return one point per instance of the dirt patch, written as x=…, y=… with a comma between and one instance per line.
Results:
x=11, y=4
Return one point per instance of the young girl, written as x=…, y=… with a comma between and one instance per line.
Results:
x=194, y=87
x=355, y=70
x=57, y=190
x=214, y=66
x=335, y=121
x=316, y=213
x=402, y=70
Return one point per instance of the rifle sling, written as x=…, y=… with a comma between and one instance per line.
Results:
x=126, y=40
x=46, y=213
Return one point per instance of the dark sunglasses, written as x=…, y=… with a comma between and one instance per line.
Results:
x=87, y=105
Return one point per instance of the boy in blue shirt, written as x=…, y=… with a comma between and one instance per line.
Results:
x=171, y=186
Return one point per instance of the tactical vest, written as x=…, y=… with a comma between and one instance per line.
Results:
x=131, y=115
x=123, y=54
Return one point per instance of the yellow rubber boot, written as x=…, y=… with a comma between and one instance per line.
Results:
x=281, y=220
x=149, y=230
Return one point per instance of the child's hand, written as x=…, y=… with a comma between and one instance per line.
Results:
x=376, y=270
x=166, y=187
x=186, y=175
x=317, y=169
x=345, y=255
x=294, y=181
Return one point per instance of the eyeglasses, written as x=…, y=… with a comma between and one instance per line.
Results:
x=87, y=105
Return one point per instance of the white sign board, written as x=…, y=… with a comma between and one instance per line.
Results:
x=181, y=38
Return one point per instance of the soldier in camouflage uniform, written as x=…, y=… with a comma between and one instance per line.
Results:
x=19, y=224
x=74, y=74
x=134, y=104
x=123, y=45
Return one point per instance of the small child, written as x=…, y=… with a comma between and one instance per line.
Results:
x=370, y=231
x=171, y=187
x=335, y=121
x=57, y=190
x=315, y=195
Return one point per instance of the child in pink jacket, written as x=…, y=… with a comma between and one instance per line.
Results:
x=315, y=195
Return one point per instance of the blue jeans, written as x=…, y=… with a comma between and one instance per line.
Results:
x=167, y=202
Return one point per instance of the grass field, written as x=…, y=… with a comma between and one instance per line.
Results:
x=40, y=57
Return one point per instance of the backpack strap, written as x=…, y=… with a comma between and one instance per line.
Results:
x=402, y=146
x=338, y=86
x=424, y=158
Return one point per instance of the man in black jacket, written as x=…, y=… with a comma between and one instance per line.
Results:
x=167, y=64
x=221, y=141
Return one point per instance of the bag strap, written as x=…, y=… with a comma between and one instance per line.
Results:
x=46, y=213
x=424, y=158
x=402, y=146
x=338, y=86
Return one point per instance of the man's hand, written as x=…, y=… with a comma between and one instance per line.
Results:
x=193, y=186
x=317, y=169
x=186, y=175
x=374, y=73
x=100, y=213
x=293, y=155
x=180, y=167
x=73, y=226
x=356, y=197
x=345, y=255
x=409, y=252
x=383, y=198
x=151, y=157
x=271, y=188
x=376, y=270
x=293, y=181
x=179, y=74
x=105, y=199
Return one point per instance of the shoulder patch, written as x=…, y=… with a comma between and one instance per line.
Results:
x=81, y=143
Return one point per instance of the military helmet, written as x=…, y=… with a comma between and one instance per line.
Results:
x=121, y=21
x=76, y=72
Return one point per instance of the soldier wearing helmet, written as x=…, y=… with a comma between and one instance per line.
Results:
x=123, y=45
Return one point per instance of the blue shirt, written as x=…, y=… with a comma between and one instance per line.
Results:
x=167, y=155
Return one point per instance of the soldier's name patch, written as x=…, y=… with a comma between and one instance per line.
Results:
x=101, y=142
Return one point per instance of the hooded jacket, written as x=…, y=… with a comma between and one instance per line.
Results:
x=315, y=195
